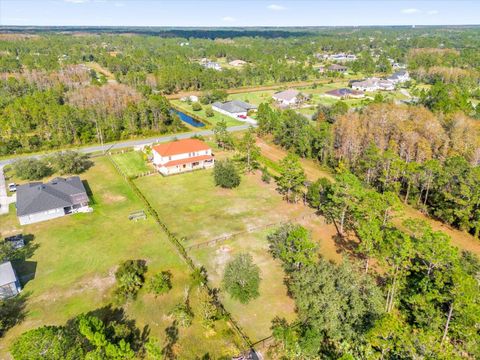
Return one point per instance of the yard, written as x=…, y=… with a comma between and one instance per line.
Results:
x=194, y=209
x=72, y=271
x=132, y=163
x=216, y=118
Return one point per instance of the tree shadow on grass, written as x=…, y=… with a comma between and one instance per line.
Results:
x=12, y=312
x=171, y=333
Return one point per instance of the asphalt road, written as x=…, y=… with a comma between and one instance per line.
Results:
x=132, y=143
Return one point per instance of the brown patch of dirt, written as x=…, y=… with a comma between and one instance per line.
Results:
x=110, y=198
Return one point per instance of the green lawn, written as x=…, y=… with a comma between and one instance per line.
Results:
x=132, y=163
x=181, y=105
x=195, y=209
x=77, y=256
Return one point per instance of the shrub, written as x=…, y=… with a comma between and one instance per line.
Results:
x=209, y=112
x=130, y=279
x=226, y=174
x=242, y=278
x=71, y=162
x=32, y=169
x=160, y=283
x=266, y=177
x=182, y=314
x=196, y=106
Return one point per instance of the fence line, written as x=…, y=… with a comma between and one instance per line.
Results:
x=182, y=252
x=224, y=238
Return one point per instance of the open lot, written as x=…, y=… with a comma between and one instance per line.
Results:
x=132, y=163
x=196, y=210
x=72, y=270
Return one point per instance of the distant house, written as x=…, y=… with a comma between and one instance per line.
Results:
x=237, y=63
x=9, y=284
x=287, y=97
x=337, y=68
x=399, y=76
x=345, y=93
x=39, y=202
x=235, y=108
x=373, y=84
x=210, y=64
x=182, y=156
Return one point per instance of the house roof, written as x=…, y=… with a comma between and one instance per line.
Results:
x=60, y=192
x=398, y=74
x=286, y=95
x=234, y=106
x=188, y=160
x=7, y=275
x=180, y=147
x=343, y=92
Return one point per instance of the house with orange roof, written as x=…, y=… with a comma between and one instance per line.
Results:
x=182, y=156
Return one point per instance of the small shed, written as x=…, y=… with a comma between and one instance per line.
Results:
x=9, y=284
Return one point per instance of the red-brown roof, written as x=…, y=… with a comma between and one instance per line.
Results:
x=181, y=147
x=188, y=160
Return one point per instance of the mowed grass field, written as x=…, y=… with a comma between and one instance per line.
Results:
x=132, y=163
x=195, y=209
x=74, y=265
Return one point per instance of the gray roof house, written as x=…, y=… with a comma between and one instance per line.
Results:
x=9, y=284
x=38, y=202
x=233, y=108
x=286, y=97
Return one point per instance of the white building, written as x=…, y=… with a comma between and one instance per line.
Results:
x=373, y=84
x=287, y=97
x=182, y=156
x=235, y=108
x=400, y=76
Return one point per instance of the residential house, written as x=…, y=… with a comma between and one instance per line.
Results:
x=9, y=283
x=236, y=108
x=287, y=97
x=182, y=156
x=345, y=93
x=37, y=201
x=399, y=76
x=373, y=84
x=210, y=64
x=237, y=63
x=337, y=68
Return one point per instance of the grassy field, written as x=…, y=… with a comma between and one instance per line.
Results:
x=197, y=210
x=72, y=271
x=132, y=163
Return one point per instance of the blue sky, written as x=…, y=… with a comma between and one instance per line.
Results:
x=237, y=13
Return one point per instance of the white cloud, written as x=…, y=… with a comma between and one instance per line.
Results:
x=432, y=12
x=411, y=11
x=228, y=19
x=276, y=7
x=119, y=4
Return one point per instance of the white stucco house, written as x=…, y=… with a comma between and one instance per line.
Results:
x=182, y=156
x=287, y=97
x=235, y=108
x=39, y=201
x=399, y=76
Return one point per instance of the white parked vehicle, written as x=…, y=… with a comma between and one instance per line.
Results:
x=12, y=187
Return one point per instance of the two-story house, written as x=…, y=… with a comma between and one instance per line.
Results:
x=181, y=156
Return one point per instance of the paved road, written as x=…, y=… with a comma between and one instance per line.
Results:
x=4, y=199
x=136, y=142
